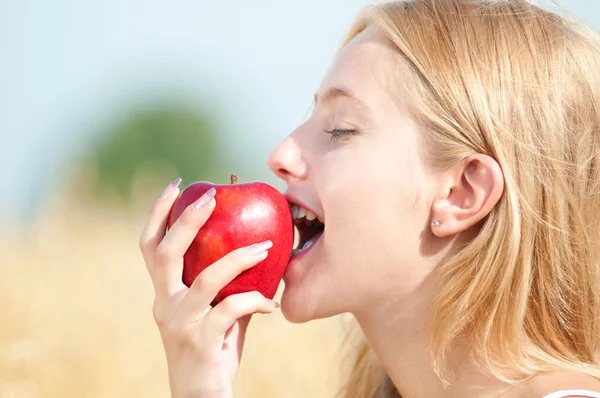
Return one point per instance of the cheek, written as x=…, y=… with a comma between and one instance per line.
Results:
x=375, y=209
x=374, y=185
x=378, y=211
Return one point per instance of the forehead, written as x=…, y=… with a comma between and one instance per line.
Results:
x=370, y=67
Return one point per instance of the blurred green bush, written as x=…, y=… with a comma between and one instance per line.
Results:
x=154, y=143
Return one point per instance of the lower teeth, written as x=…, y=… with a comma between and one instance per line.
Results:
x=304, y=247
x=307, y=245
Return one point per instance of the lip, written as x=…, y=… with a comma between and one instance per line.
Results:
x=299, y=257
x=294, y=200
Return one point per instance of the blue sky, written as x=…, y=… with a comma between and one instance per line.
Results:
x=69, y=66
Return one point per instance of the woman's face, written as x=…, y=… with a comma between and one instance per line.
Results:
x=368, y=184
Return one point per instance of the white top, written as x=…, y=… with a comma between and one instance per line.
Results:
x=573, y=393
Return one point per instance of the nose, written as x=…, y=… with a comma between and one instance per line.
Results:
x=286, y=161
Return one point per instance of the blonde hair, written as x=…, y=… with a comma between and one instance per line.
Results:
x=521, y=84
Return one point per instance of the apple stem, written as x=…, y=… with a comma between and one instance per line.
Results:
x=233, y=179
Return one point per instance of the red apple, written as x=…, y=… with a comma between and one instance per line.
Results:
x=244, y=214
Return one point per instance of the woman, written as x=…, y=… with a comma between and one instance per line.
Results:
x=453, y=157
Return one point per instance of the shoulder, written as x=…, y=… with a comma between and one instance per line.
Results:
x=561, y=384
x=573, y=394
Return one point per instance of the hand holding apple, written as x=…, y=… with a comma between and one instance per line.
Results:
x=203, y=344
x=244, y=214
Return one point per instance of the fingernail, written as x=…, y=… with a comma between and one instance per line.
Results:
x=275, y=304
x=258, y=248
x=205, y=199
x=170, y=188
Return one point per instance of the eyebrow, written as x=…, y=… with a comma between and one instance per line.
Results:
x=338, y=92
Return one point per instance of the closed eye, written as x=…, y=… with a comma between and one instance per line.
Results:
x=338, y=134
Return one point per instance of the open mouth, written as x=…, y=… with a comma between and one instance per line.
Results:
x=309, y=225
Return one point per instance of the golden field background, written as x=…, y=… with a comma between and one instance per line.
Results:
x=75, y=304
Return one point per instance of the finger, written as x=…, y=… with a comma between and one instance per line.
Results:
x=234, y=307
x=155, y=227
x=210, y=281
x=170, y=251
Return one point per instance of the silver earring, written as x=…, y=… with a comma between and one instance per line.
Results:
x=435, y=224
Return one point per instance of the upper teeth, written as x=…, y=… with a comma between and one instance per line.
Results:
x=299, y=212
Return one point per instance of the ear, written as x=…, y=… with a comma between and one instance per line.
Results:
x=473, y=189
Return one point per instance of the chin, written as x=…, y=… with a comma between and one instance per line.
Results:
x=309, y=293
x=300, y=305
x=294, y=307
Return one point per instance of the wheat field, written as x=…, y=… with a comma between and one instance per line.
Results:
x=75, y=303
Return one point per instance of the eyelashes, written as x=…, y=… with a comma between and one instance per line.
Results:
x=338, y=134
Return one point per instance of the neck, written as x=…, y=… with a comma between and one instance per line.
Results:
x=400, y=333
